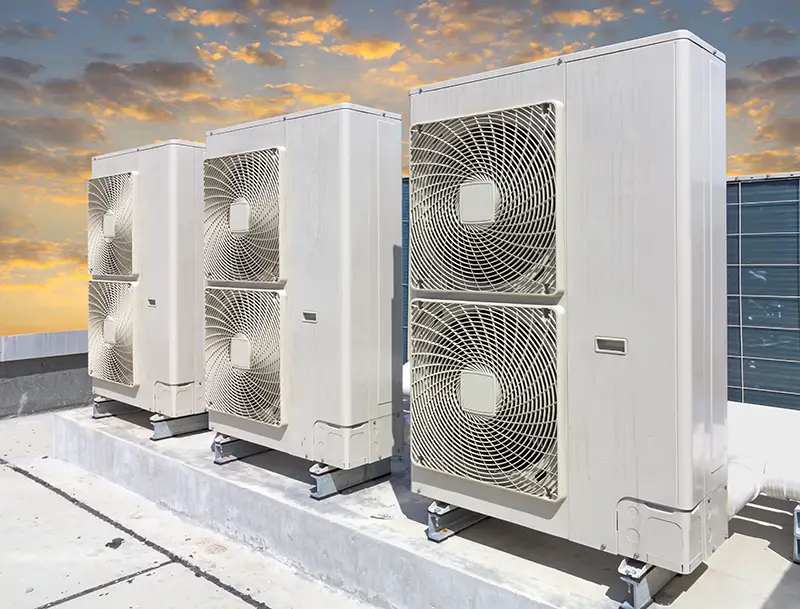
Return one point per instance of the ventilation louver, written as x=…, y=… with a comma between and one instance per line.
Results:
x=110, y=232
x=111, y=328
x=243, y=353
x=485, y=393
x=243, y=217
x=483, y=202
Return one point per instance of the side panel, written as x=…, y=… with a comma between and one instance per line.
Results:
x=701, y=270
x=620, y=208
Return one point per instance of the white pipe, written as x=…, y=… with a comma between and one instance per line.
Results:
x=763, y=456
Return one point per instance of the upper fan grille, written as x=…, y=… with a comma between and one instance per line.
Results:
x=516, y=445
x=111, y=203
x=111, y=328
x=242, y=217
x=513, y=154
x=252, y=317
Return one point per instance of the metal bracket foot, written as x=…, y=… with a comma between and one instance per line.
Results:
x=165, y=427
x=227, y=449
x=103, y=407
x=644, y=582
x=332, y=481
x=445, y=520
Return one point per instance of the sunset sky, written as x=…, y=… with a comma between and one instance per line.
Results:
x=82, y=77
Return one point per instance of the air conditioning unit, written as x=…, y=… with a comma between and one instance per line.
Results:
x=302, y=263
x=146, y=292
x=567, y=324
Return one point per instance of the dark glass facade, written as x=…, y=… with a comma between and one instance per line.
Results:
x=763, y=226
x=764, y=291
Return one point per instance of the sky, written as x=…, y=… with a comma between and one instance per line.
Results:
x=86, y=77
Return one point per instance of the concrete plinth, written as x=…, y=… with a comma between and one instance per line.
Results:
x=371, y=542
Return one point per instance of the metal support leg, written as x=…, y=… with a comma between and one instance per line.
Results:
x=796, y=541
x=332, y=481
x=103, y=407
x=445, y=520
x=227, y=449
x=644, y=582
x=165, y=427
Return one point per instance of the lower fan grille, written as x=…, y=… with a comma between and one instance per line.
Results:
x=111, y=328
x=243, y=353
x=485, y=393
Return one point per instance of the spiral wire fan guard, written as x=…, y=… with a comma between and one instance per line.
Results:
x=110, y=230
x=513, y=151
x=250, y=184
x=251, y=319
x=517, y=446
x=111, y=331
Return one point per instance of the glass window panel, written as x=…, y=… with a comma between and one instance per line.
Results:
x=765, y=398
x=771, y=344
x=733, y=192
x=734, y=372
x=733, y=219
x=734, y=395
x=773, y=249
x=770, y=218
x=733, y=250
x=733, y=311
x=772, y=376
x=769, y=281
x=734, y=342
x=733, y=280
x=769, y=312
x=770, y=190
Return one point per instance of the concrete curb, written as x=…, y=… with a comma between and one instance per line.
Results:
x=387, y=562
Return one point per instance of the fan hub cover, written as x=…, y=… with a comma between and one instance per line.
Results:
x=478, y=202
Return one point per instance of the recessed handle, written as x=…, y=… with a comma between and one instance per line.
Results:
x=611, y=346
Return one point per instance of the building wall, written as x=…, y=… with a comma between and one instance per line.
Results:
x=764, y=290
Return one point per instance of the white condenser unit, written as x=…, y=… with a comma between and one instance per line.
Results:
x=302, y=253
x=146, y=292
x=567, y=325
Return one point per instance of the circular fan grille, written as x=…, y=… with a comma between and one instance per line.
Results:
x=253, y=315
x=512, y=151
x=111, y=198
x=111, y=302
x=250, y=254
x=516, y=447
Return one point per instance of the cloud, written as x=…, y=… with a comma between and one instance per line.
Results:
x=16, y=252
x=768, y=161
x=299, y=6
x=119, y=15
x=172, y=75
x=738, y=89
x=758, y=110
x=50, y=130
x=297, y=94
x=583, y=18
x=771, y=30
x=18, y=68
x=724, y=6
x=368, y=48
x=784, y=130
x=16, y=90
x=788, y=85
x=43, y=163
x=207, y=18
x=775, y=68
x=66, y=6
x=24, y=30
x=330, y=26
x=251, y=54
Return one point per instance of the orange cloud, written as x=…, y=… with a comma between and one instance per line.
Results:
x=537, y=51
x=250, y=54
x=725, y=6
x=368, y=48
x=757, y=109
x=769, y=161
x=49, y=303
x=583, y=18
x=66, y=6
x=207, y=18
